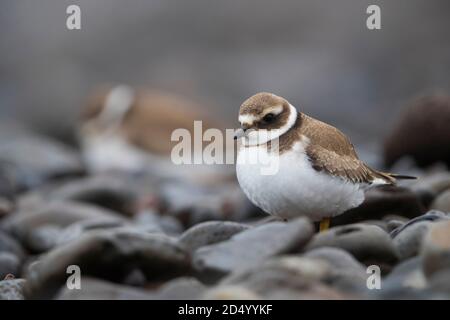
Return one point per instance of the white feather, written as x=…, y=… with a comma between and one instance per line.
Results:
x=296, y=189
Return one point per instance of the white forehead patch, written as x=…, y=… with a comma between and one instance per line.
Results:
x=247, y=118
x=118, y=102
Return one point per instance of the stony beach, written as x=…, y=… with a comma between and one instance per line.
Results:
x=146, y=236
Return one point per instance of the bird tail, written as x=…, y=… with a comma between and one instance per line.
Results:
x=391, y=178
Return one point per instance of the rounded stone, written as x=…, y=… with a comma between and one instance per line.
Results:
x=369, y=244
x=9, y=244
x=252, y=246
x=436, y=248
x=442, y=202
x=210, y=232
x=409, y=236
x=110, y=254
x=9, y=264
x=286, y=277
x=58, y=214
x=12, y=289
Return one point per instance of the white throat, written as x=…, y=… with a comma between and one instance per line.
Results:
x=262, y=136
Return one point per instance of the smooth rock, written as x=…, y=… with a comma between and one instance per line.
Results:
x=210, y=232
x=436, y=248
x=43, y=238
x=110, y=191
x=108, y=254
x=231, y=292
x=439, y=282
x=407, y=274
x=422, y=132
x=151, y=221
x=251, y=247
x=409, y=236
x=380, y=202
x=367, y=243
x=56, y=214
x=442, y=202
x=184, y=288
x=12, y=289
x=75, y=230
x=9, y=264
x=193, y=204
x=97, y=289
x=9, y=244
x=34, y=159
x=394, y=224
x=428, y=187
x=345, y=272
x=286, y=277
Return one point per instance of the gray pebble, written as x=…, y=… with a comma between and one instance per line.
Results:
x=12, y=289
x=442, y=202
x=57, y=214
x=210, y=232
x=109, y=254
x=251, y=247
x=286, y=277
x=9, y=264
x=435, y=250
x=367, y=243
x=9, y=244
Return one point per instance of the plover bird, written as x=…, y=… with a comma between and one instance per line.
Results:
x=123, y=128
x=319, y=173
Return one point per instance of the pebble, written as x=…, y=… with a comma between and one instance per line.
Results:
x=56, y=214
x=231, y=292
x=9, y=244
x=210, y=232
x=9, y=264
x=97, y=289
x=109, y=254
x=436, y=248
x=111, y=191
x=285, y=277
x=439, y=283
x=151, y=221
x=12, y=289
x=430, y=114
x=75, y=230
x=252, y=246
x=34, y=159
x=193, y=204
x=442, y=202
x=369, y=244
x=428, y=187
x=345, y=272
x=408, y=237
x=407, y=274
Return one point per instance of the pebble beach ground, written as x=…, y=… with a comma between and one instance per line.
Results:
x=141, y=236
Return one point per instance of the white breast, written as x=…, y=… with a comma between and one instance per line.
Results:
x=296, y=189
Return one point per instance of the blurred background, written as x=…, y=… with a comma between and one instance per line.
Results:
x=85, y=173
x=317, y=54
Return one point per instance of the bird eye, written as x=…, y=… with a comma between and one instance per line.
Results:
x=269, y=117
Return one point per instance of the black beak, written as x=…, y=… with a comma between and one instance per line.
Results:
x=239, y=133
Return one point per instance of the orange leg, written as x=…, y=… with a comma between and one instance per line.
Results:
x=324, y=224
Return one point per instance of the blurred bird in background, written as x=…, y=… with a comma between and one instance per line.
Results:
x=123, y=128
